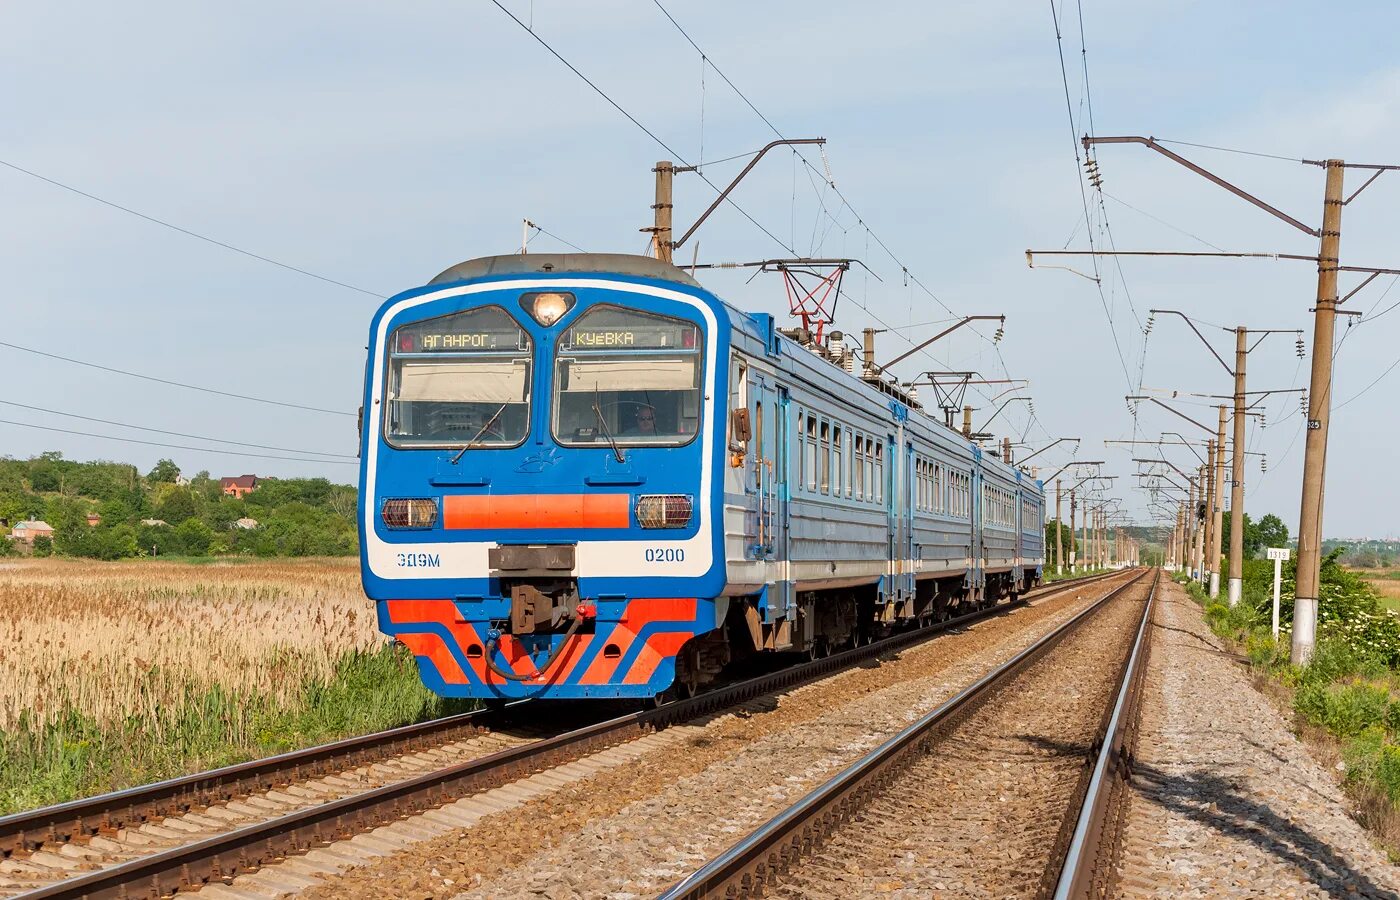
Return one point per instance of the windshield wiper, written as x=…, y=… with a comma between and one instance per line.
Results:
x=598, y=411
x=472, y=443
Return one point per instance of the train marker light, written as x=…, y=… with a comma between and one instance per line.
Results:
x=416, y=512
x=664, y=510
x=548, y=307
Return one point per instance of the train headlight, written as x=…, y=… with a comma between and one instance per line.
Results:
x=416, y=512
x=664, y=510
x=548, y=307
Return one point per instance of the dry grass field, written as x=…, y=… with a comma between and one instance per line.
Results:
x=122, y=639
x=1386, y=584
x=116, y=673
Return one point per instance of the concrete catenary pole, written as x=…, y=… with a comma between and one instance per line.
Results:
x=1210, y=573
x=1199, y=547
x=1191, y=527
x=1319, y=412
x=1217, y=509
x=1094, y=539
x=1237, y=474
x=1088, y=548
x=1181, y=564
x=1103, y=538
x=1059, y=532
x=1098, y=538
x=1073, y=545
x=1175, y=549
x=661, y=210
x=1180, y=538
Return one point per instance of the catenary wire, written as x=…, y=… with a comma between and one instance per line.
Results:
x=186, y=231
x=635, y=121
x=181, y=384
x=548, y=233
x=1230, y=150
x=725, y=159
x=836, y=190
x=1083, y=195
x=1149, y=215
x=197, y=437
x=112, y=437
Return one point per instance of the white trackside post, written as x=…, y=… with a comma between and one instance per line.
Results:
x=1278, y=555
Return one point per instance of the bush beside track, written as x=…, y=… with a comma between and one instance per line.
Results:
x=1346, y=701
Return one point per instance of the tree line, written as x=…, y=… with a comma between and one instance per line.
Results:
x=155, y=514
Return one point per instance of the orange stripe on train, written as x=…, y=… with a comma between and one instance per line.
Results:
x=432, y=647
x=658, y=647
x=511, y=511
x=444, y=612
x=639, y=614
x=601, y=670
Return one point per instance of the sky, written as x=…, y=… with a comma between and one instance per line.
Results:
x=375, y=146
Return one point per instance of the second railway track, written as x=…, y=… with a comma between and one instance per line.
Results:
x=1001, y=791
x=210, y=827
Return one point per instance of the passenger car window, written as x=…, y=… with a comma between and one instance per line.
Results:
x=628, y=375
x=458, y=379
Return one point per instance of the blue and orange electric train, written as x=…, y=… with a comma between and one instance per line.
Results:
x=587, y=476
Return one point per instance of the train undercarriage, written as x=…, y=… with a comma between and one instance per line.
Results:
x=830, y=621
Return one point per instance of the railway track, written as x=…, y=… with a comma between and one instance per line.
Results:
x=1010, y=788
x=210, y=827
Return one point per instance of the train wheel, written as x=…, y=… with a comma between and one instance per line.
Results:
x=687, y=683
x=660, y=699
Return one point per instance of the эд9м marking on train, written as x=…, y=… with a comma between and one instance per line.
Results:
x=587, y=476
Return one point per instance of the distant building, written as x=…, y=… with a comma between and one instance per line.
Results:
x=246, y=523
x=155, y=522
x=30, y=529
x=93, y=520
x=239, y=486
x=181, y=481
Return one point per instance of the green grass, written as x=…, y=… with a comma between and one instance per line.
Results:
x=1346, y=689
x=75, y=757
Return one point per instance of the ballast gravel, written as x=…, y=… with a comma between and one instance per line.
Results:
x=628, y=831
x=1226, y=802
x=979, y=814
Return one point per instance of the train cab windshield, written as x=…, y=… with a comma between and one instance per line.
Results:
x=459, y=380
x=629, y=377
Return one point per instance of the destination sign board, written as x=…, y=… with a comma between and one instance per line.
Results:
x=641, y=335
x=479, y=330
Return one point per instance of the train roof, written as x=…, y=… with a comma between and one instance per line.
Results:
x=555, y=263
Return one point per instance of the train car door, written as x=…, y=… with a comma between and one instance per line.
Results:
x=1017, y=572
x=889, y=479
x=906, y=516
x=975, y=509
x=775, y=421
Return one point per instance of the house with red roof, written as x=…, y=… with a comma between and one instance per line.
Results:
x=239, y=485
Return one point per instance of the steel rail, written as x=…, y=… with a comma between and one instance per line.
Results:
x=745, y=868
x=132, y=806
x=26, y=831
x=221, y=857
x=1094, y=838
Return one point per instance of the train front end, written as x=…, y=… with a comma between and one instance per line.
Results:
x=539, y=508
